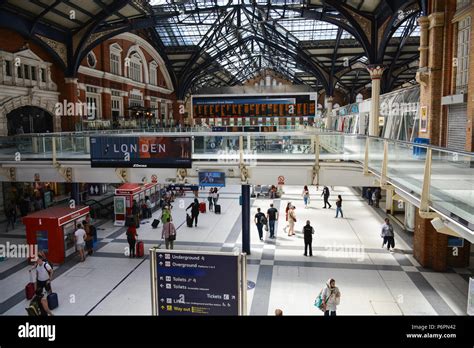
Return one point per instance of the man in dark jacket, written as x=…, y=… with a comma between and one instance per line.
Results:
x=326, y=195
x=308, y=232
x=194, y=211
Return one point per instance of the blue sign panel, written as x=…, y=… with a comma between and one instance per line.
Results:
x=197, y=284
x=212, y=179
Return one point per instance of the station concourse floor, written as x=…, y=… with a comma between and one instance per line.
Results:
x=372, y=280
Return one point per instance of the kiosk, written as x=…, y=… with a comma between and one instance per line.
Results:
x=127, y=193
x=53, y=230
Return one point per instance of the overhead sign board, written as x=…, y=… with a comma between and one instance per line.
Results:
x=140, y=152
x=196, y=283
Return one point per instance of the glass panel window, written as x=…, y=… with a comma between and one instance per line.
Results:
x=462, y=75
x=27, y=71
x=43, y=75
x=115, y=64
x=19, y=71
x=33, y=73
x=8, y=68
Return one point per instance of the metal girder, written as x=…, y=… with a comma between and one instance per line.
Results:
x=42, y=14
x=388, y=81
x=186, y=82
x=392, y=28
x=22, y=26
x=80, y=51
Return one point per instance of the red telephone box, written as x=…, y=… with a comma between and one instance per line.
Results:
x=53, y=230
x=130, y=193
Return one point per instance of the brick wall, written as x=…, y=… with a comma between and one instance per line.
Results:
x=430, y=248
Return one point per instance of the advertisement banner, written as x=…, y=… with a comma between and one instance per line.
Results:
x=212, y=179
x=119, y=205
x=140, y=152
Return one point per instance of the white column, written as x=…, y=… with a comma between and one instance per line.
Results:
x=409, y=217
x=376, y=72
x=329, y=101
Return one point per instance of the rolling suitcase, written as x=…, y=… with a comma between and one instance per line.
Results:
x=140, y=249
x=53, y=300
x=155, y=223
x=217, y=209
x=30, y=289
x=202, y=207
x=189, y=220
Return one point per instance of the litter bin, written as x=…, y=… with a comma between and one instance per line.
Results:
x=420, y=151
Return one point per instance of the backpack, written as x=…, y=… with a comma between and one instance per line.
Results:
x=318, y=302
x=33, y=309
x=263, y=220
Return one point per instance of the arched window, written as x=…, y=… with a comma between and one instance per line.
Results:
x=115, y=59
x=153, y=73
x=135, y=67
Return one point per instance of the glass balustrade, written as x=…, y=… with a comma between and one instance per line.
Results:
x=452, y=180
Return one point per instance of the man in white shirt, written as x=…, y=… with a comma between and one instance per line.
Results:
x=80, y=243
x=44, y=274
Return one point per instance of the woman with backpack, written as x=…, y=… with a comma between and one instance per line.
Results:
x=132, y=239
x=306, y=196
x=169, y=234
x=39, y=305
x=331, y=297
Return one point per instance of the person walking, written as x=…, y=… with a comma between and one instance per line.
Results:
x=331, y=297
x=80, y=236
x=291, y=221
x=210, y=200
x=326, y=195
x=194, y=211
x=44, y=274
x=287, y=209
x=369, y=196
x=89, y=239
x=215, y=196
x=131, y=239
x=388, y=235
x=308, y=232
x=272, y=217
x=260, y=220
x=25, y=205
x=11, y=215
x=169, y=234
x=339, y=206
x=166, y=215
x=306, y=196
x=148, y=207
x=136, y=213
x=376, y=196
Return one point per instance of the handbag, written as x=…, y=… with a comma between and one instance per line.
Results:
x=172, y=237
x=318, y=302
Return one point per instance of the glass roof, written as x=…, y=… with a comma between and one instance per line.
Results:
x=238, y=39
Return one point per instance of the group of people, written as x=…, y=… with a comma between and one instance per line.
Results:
x=374, y=196
x=85, y=235
x=325, y=194
x=268, y=220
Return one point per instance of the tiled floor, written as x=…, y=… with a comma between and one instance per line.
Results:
x=372, y=281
